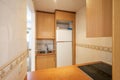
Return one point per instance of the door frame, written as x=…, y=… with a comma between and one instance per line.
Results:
x=116, y=40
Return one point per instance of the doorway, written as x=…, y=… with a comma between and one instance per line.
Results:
x=31, y=36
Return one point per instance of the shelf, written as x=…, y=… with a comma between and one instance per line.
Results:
x=48, y=54
x=64, y=25
x=45, y=38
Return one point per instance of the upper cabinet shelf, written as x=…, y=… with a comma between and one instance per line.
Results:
x=67, y=25
x=99, y=18
x=45, y=23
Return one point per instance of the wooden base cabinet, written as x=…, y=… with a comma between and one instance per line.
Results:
x=45, y=61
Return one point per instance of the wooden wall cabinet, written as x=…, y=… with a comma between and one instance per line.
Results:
x=45, y=61
x=45, y=23
x=99, y=18
x=64, y=15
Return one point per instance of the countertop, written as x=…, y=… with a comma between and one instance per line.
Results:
x=62, y=73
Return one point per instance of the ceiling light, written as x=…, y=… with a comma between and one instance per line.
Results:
x=55, y=0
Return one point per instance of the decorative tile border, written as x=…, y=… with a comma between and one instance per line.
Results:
x=5, y=70
x=101, y=48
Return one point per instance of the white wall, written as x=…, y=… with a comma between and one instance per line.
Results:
x=84, y=55
x=33, y=34
x=12, y=34
x=33, y=49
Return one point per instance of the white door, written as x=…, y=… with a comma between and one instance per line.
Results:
x=64, y=54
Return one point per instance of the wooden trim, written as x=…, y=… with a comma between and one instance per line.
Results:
x=74, y=41
x=63, y=41
x=45, y=12
x=35, y=36
x=54, y=47
x=55, y=41
x=35, y=62
x=48, y=54
x=45, y=38
x=116, y=40
x=88, y=63
x=65, y=11
x=55, y=11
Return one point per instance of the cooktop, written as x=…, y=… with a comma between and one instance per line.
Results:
x=98, y=71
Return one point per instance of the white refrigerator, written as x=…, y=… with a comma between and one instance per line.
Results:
x=64, y=47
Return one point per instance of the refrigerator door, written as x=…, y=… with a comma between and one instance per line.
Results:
x=63, y=35
x=64, y=54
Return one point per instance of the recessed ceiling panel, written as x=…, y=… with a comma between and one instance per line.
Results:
x=51, y=5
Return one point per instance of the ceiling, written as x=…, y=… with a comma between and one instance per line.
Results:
x=51, y=5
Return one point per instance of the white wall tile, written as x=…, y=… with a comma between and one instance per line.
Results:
x=84, y=55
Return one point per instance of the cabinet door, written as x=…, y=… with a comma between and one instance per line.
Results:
x=41, y=62
x=67, y=16
x=45, y=62
x=99, y=18
x=45, y=25
x=51, y=61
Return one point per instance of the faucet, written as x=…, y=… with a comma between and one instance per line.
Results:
x=47, y=49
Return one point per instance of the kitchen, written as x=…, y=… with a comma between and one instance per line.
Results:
x=56, y=39
x=66, y=36
x=66, y=40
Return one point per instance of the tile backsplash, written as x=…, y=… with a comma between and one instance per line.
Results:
x=44, y=45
